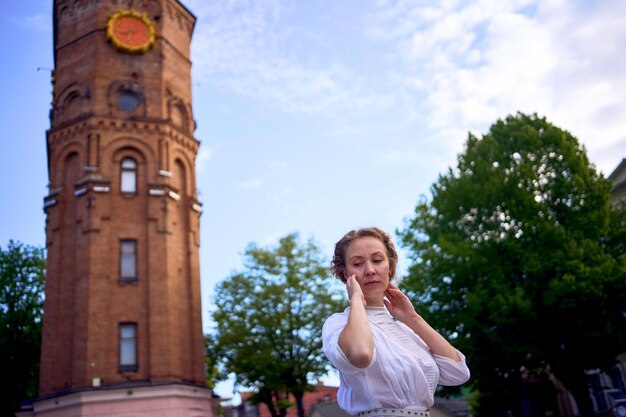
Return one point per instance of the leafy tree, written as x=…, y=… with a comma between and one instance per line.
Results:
x=21, y=307
x=269, y=321
x=211, y=362
x=517, y=257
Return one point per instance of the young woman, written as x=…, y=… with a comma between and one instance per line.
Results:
x=386, y=367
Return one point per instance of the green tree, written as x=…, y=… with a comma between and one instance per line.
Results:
x=22, y=270
x=515, y=256
x=268, y=322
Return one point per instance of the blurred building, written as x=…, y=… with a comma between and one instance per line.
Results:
x=618, y=176
x=607, y=388
x=122, y=332
x=319, y=394
x=322, y=402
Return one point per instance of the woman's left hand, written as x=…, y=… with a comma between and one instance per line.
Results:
x=401, y=308
x=398, y=304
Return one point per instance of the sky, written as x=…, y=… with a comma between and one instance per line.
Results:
x=318, y=117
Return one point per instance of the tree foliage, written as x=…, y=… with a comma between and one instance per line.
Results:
x=517, y=257
x=21, y=308
x=268, y=322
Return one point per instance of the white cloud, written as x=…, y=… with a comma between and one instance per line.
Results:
x=277, y=165
x=474, y=62
x=38, y=22
x=449, y=66
x=250, y=184
x=274, y=169
x=244, y=46
x=272, y=239
x=204, y=155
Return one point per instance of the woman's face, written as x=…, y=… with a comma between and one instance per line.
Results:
x=366, y=259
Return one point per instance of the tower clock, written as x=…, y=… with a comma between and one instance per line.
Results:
x=130, y=31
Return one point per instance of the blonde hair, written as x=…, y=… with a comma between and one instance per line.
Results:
x=338, y=263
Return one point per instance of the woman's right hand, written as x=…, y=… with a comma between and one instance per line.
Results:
x=356, y=339
x=354, y=289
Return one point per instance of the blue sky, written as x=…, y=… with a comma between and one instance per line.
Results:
x=322, y=116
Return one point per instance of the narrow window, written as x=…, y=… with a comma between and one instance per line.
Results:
x=128, y=179
x=128, y=347
x=128, y=260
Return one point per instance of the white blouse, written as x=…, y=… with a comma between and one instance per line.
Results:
x=403, y=372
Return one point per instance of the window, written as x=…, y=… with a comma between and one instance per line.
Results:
x=128, y=100
x=128, y=180
x=128, y=347
x=128, y=260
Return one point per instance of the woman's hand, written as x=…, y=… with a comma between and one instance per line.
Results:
x=399, y=305
x=354, y=289
x=356, y=340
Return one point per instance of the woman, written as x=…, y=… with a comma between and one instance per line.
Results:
x=386, y=367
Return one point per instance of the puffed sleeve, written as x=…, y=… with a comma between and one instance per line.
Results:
x=330, y=344
x=452, y=372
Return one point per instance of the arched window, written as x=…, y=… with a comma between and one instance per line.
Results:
x=128, y=177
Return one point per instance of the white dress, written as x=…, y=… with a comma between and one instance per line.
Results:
x=403, y=372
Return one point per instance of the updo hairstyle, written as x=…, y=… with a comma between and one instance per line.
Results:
x=338, y=263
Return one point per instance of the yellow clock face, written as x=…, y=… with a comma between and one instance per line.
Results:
x=131, y=31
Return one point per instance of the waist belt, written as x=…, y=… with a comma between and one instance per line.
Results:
x=399, y=412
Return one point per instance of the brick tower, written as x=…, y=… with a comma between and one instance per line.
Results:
x=122, y=315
